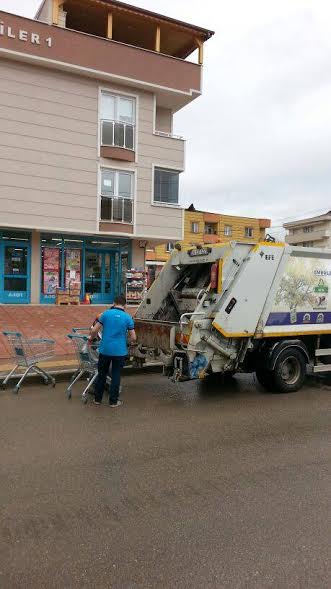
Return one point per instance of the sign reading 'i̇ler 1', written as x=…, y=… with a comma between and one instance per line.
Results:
x=23, y=35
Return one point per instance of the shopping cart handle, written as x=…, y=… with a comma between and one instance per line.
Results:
x=41, y=340
x=78, y=337
x=12, y=333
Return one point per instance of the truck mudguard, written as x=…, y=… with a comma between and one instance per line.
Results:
x=278, y=347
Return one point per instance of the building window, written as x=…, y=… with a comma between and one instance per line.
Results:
x=170, y=247
x=248, y=231
x=211, y=228
x=308, y=244
x=118, y=115
x=308, y=229
x=166, y=186
x=228, y=230
x=116, y=196
x=194, y=227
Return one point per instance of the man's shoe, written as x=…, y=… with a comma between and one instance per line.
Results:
x=118, y=404
x=96, y=403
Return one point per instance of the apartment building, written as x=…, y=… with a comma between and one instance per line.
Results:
x=89, y=164
x=202, y=227
x=312, y=232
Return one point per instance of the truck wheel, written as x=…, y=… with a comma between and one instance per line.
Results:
x=290, y=371
x=265, y=378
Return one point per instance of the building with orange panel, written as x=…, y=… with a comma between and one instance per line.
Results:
x=202, y=227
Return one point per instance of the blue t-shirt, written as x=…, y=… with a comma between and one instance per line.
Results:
x=116, y=324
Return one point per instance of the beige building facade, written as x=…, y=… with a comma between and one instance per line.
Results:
x=89, y=164
x=311, y=232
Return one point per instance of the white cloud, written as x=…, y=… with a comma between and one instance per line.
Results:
x=259, y=139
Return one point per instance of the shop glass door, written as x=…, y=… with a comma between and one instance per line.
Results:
x=98, y=276
x=15, y=285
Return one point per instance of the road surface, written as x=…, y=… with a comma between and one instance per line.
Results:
x=191, y=485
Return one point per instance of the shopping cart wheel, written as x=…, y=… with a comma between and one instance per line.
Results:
x=53, y=383
x=2, y=386
x=84, y=400
x=69, y=394
x=16, y=389
x=46, y=381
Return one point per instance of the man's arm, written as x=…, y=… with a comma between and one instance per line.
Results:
x=95, y=330
x=132, y=336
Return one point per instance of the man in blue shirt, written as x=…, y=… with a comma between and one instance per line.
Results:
x=116, y=325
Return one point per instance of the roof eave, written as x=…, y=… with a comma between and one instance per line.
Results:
x=205, y=33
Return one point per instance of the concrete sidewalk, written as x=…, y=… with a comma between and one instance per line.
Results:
x=54, y=367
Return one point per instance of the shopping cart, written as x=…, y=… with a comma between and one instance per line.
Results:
x=28, y=353
x=81, y=331
x=87, y=355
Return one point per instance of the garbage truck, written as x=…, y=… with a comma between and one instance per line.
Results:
x=240, y=307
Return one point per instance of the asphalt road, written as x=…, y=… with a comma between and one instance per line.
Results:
x=186, y=486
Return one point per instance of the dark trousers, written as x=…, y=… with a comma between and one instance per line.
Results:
x=116, y=362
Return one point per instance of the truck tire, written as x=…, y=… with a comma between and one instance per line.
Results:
x=290, y=371
x=265, y=378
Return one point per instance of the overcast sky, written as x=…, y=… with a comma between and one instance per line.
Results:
x=259, y=139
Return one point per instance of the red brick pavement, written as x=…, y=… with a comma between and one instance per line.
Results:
x=46, y=321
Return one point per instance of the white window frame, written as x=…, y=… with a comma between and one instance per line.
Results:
x=170, y=247
x=165, y=204
x=115, y=93
x=117, y=97
x=133, y=198
x=195, y=224
x=228, y=230
x=308, y=229
x=249, y=232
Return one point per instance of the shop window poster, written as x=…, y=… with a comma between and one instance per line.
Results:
x=73, y=260
x=51, y=270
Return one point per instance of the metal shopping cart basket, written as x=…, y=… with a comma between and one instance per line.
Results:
x=28, y=353
x=87, y=355
x=79, y=331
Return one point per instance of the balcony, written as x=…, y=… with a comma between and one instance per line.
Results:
x=264, y=223
x=116, y=209
x=117, y=140
x=210, y=238
x=109, y=39
x=117, y=134
x=131, y=25
x=169, y=135
x=174, y=81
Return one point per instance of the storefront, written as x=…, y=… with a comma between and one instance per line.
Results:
x=98, y=264
x=45, y=262
x=15, y=264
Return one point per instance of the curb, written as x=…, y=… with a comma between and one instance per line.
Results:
x=61, y=373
